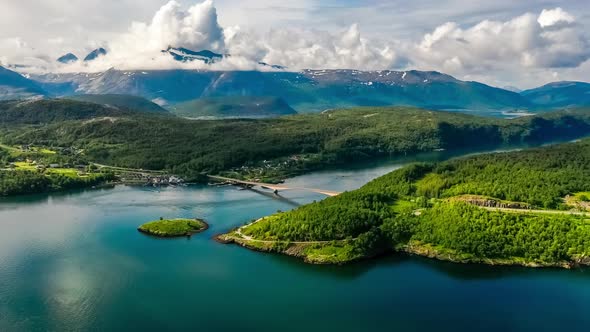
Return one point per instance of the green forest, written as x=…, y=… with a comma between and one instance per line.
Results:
x=29, y=169
x=269, y=148
x=32, y=182
x=413, y=209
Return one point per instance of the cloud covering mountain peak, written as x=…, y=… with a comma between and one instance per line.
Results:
x=194, y=28
x=548, y=44
x=197, y=28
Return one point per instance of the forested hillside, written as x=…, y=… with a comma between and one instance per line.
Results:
x=274, y=147
x=125, y=102
x=424, y=209
x=233, y=107
x=33, y=182
x=45, y=111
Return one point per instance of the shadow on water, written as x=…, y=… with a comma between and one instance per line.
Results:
x=276, y=197
x=348, y=271
x=488, y=272
x=458, y=271
x=59, y=196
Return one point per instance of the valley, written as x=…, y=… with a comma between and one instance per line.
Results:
x=265, y=150
x=367, y=165
x=277, y=91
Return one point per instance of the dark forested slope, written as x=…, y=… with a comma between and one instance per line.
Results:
x=46, y=111
x=306, y=141
x=233, y=107
x=126, y=102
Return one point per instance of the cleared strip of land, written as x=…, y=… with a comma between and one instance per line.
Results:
x=509, y=210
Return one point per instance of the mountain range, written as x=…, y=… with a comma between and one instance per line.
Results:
x=185, y=55
x=95, y=54
x=71, y=57
x=67, y=58
x=312, y=90
x=303, y=91
x=560, y=94
x=124, y=102
x=15, y=86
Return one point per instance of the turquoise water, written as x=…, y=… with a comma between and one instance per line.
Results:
x=71, y=262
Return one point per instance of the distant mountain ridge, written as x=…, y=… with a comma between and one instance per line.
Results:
x=45, y=111
x=95, y=54
x=305, y=91
x=125, y=102
x=67, y=58
x=185, y=55
x=15, y=86
x=560, y=94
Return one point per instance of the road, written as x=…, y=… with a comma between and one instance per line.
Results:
x=275, y=187
x=574, y=213
x=129, y=170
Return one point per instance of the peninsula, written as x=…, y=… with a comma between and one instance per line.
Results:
x=513, y=208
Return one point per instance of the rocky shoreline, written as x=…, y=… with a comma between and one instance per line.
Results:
x=430, y=252
x=413, y=249
x=296, y=250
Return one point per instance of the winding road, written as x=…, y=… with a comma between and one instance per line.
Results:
x=509, y=210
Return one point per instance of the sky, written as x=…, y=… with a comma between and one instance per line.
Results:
x=502, y=42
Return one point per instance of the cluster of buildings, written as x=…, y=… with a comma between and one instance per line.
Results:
x=150, y=179
x=270, y=165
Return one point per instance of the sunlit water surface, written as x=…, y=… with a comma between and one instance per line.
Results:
x=75, y=261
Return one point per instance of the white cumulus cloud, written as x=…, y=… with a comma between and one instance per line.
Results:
x=515, y=49
x=197, y=28
x=551, y=17
x=546, y=41
x=141, y=47
x=312, y=49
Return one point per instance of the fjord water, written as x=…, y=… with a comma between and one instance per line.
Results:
x=75, y=262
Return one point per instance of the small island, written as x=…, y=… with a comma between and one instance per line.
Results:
x=174, y=227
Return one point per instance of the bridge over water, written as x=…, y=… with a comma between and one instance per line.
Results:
x=274, y=187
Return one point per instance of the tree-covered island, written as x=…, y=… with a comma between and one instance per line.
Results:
x=173, y=227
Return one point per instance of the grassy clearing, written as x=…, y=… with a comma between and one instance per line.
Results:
x=335, y=253
x=17, y=151
x=25, y=166
x=46, y=151
x=404, y=206
x=13, y=151
x=71, y=172
x=583, y=196
x=580, y=201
